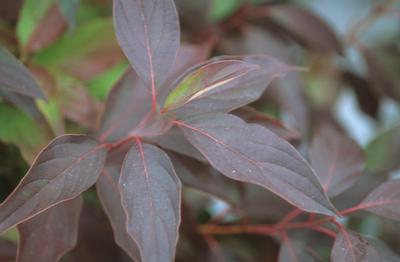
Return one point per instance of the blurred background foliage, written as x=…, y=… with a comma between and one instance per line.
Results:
x=351, y=50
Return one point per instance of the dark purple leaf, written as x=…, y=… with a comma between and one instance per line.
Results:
x=352, y=247
x=14, y=77
x=337, y=160
x=126, y=106
x=95, y=240
x=148, y=32
x=288, y=94
x=69, y=165
x=384, y=200
x=212, y=76
x=306, y=27
x=9, y=10
x=197, y=175
x=55, y=228
x=150, y=192
x=153, y=124
x=379, y=76
x=367, y=97
x=8, y=251
x=255, y=199
x=251, y=153
x=174, y=140
x=255, y=40
x=253, y=116
x=25, y=103
x=188, y=56
x=109, y=194
x=295, y=251
x=237, y=92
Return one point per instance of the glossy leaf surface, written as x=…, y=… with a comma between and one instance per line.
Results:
x=56, y=229
x=148, y=32
x=150, y=192
x=188, y=56
x=384, y=200
x=350, y=246
x=251, y=153
x=211, y=76
x=238, y=92
x=337, y=160
x=69, y=165
x=14, y=76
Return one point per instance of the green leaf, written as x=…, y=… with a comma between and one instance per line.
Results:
x=73, y=52
x=207, y=77
x=223, y=8
x=100, y=86
x=52, y=113
x=382, y=152
x=21, y=130
x=30, y=16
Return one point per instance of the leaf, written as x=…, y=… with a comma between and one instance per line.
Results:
x=95, y=240
x=69, y=9
x=367, y=98
x=206, y=78
x=77, y=104
x=9, y=10
x=69, y=165
x=150, y=192
x=237, y=93
x=222, y=9
x=306, y=27
x=15, y=77
x=384, y=200
x=51, y=27
x=289, y=94
x=387, y=254
x=297, y=252
x=78, y=55
x=56, y=228
x=253, y=116
x=379, y=75
x=20, y=129
x=188, y=56
x=337, y=160
x=193, y=14
x=251, y=153
x=350, y=246
x=25, y=103
x=174, y=140
x=110, y=197
x=30, y=16
x=383, y=151
x=202, y=177
x=101, y=85
x=126, y=106
x=7, y=251
x=148, y=32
